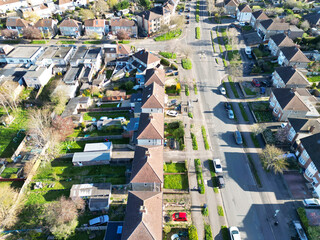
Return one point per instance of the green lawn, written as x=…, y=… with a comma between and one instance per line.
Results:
x=124, y=41
x=39, y=42
x=177, y=181
x=97, y=115
x=170, y=55
x=233, y=87
x=92, y=42
x=66, y=42
x=109, y=105
x=249, y=91
x=198, y=33
x=263, y=116
x=169, y=35
x=116, y=130
x=11, y=41
x=8, y=172
x=243, y=112
x=314, y=78
x=175, y=168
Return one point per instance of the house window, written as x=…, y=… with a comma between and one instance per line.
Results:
x=276, y=110
x=305, y=154
x=302, y=161
x=313, y=166
x=308, y=173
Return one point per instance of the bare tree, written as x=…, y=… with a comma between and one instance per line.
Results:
x=86, y=14
x=63, y=126
x=185, y=50
x=9, y=33
x=232, y=37
x=31, y=16
x=122, y=34
x=7, y=197
x=100, y=7
x=235, y=68
x=59, y=98
x=258, y=128
x=305, y=25
x=8, y=96
x=282, y=134
x=32, y=33
x=294, y=21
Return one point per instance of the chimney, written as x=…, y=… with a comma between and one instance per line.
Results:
x=150, y=116
x=147, y=153
x=143, y=209
x=311, y=128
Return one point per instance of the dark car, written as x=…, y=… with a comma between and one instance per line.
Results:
x=238, y=137
x=221, y=182
x=187, y=16
x=172, y=143
x=256, y=83
x=187, y=22
x=266, y=83
x=227, y=106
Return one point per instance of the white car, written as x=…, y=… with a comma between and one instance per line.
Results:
x=222, y=90
x=172, y=113
x=311, y=202
x=217, y=165
x=234, y=233
x=242, y=24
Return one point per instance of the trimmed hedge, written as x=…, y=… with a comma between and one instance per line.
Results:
x=168, y=55
x=200, y=181
x=205, y=139
x=194, y=142
x=186, y=88
x=198, y=33
x=208, y=232
x=186, y=63
x=192, y=232
x=165, y=62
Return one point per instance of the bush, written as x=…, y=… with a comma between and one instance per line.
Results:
x=220, y=211
x=197, y=18
x=303, y=217
x=186, y=88
x=168, y=55
x=174, y=66
x=195, y=89
x=208, y=232
x=190, y=115
x=204, y=135
x=194, y=142
x=192, y=232
x=200, y=181
x=197, y=32
x=186, y=63
x=165, y=62
x=205, y=211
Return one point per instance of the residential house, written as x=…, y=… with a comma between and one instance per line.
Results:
x=150, y=131
x=293, y=103
x=95, y=26
x=308, y=153
x=244, y=13
x=63, y=5
x=143, y=60
x=292, y=56
x=289, y=77
x=296, y=10
x=231, y=6
x=93, y=154
x=256, y=17
x=48, y=27
x=153, y=99
x=78, y=56
x=115, y=51
x=147, y=169
x=155, y=75
x=12, y=5
x=269, y=27
x=143, y=219
x=17, y=24
x=277, y=41
x=38, y=76
x=301, y=127
x=152, y=20
x=80, y=3
x=295, y=32
x=117, y=95
x=43, y=10
x=24, y=55
x=5, y=49
x=99, y=195
x=117, y=24
x=70, y=28
x=313, y=19
x=71, y=110
x=73, y=75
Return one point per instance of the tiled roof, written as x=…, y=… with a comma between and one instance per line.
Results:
x=17, y=22
x=44, y=23
x=289, y=100
x=61, y=2
x=151, y=126
x=123, y=49
x=143, y=220
x=260, y=15
x=313, y=18
x=70, y=23
x=244, y=8
x=121, y=22
x=270, y=24
x=289, y=75
x=282, y=40
x=294, y=54
x=5, y=2
x=94, y=23
x=305, y=124
x=312, y=146
x=153, y=96
x=155, y=75
x=231, y=3
x=147, y=164
x=146, y=57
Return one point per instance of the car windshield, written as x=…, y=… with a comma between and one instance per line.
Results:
x=234, y=232
x=176, y=215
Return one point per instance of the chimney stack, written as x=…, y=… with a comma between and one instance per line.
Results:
x=143, y=209
x=147, y=154
x=311, y=128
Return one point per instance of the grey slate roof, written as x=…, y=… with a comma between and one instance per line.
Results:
x=313, y=18
x=312, y=146
x=291, y=75
x=304, y=124
x=282, y=39
x=91, y=156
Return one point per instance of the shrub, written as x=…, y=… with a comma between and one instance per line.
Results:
x=195, y=89
x=186, y=88
x=169, y=35
x=205, y=211
x=208, y=232
x=186, y=63
x=197, y=18
x=197, y=32
x=192, y=232
x=174, y=66
x=194, y=142
x=168, y=55
x=200, y=181
x=220, y=211
x=166, y=229
x=204, y=135
x=303, y=217
x=190, y=115
x=165, y=62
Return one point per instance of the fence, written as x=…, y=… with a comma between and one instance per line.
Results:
x=80, y=110
x=2, y=169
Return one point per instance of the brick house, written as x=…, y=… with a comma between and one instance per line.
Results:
x=292, y=56
x=256, y=17
x=288, y=77
x=244, y=13
x=117, y=24
x=17, y=24
x=277, y=41
x=71, y=28
x=231, y=6
x=269, y=27
x=97, y=26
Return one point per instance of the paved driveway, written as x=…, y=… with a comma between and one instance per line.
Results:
x=297, y=185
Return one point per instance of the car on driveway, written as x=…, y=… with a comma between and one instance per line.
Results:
x=227, y=106
x=256, y=83
x=179, y=217
x=230, y=114
x=311, y=203
x=217, y=165
x=172, y=113
x=222, y=90
x=238, y=137
x=234, y=233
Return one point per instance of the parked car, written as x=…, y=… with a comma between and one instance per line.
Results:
x=217, y=165
x=300, y=230
x=238, y=137
x=172, y=143
x=172, y=102
x=266, y=83
x=234, y=233
x=179, y=216
x=172, y=113
x=256, y=83
x=230, y=114
x=311, y=202
x=222, y=90
x=99, y=220
x=187, y=16
x=227, y=106
x=187, y=22
x=248, y=50
x=221, y=182
x=242, y=24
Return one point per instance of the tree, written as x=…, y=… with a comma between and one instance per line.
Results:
x=178, y=133
x=8, y=96
x=32, y=33
x=61, y=217
x=145, y=3
x=295, y=21
x=185, y=49
x=112, y=3
x=129, y=85
x=232, y=37
x=101, y=7
x=31, y=16
x=282, y=134
x=273, y=159
x=7, y=197
x=86, y=14
x=122, y=34
x=9, y=33
x=63, y=126
x=305, y=25
x=122, y=5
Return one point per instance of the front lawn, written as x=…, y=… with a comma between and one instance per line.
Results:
x=92, y=42
x=9, y=172
x=249, y=92
x=66, y=42
x=176, y=181
x=265, y=116
x=97, y=115
x=175, y=130
x=169, y=35
x=314, y=78
x=186, y=63
x=39, y=42
x=110, y=130
x=109, y=105
x=174, y=167
x=170, y=55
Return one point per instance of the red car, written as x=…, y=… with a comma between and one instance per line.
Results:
x=181, y=216
x=256, y=82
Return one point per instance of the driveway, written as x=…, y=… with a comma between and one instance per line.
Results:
x=297, y=185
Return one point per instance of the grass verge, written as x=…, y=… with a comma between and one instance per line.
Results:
x=198, y=36
x=243, y=112
x=195, y=89
x=208, y=232
x=205, y=139
x=233, y=87
x=254, y=171
x=194, y=142
x=92, y=42
x=197, y=164
x=254, y=140
x=169, y=35
x=220, y=211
